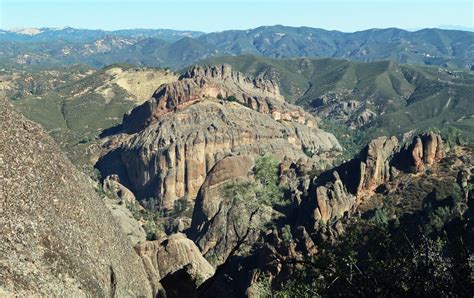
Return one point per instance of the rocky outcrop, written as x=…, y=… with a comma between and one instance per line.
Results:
x=332, y=201
x=57, y=236
x=340, y=106
x=338, y=192
x=200, y=83
x=230, y=169
x=363, y=118
x=220, y=223
x=328, y=202
x=188, y=131
x=168, y=255
x=375, y=163
x=426, y=150
x=113, y=186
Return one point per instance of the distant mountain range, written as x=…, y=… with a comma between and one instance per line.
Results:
x=177, y=49
x=69, y=34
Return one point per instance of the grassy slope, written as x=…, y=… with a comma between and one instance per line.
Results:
x=75, y=121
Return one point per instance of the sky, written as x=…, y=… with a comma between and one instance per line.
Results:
x=210, y=16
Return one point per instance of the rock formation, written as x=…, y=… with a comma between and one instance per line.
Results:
x=116, y=189
x=200, y=83
x=168, y=255
x=57, y=236
x=426, y=150
x=219, y=223
x=338, y=192
x=375, y=163
x=332, y=201
x=184, y=130
x=322, y=208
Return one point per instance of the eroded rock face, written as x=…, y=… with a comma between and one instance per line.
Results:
x=219, y=223
x=57, y=236
x=187, y=132
x=200, y=83
x=168, y=255
x=426, y=150
x=332, y=201
x=375, y=163
x=337, y=193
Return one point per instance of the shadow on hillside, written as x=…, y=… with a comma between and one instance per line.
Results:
x=111, y=131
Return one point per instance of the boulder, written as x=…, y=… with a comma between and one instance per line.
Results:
x=113, y=186
x=170, y=254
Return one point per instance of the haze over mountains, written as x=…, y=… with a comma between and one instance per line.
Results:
x=176, y=49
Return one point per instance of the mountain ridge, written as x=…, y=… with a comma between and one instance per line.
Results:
x=449, y=48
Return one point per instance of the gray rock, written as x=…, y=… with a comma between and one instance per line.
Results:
x=58, y=237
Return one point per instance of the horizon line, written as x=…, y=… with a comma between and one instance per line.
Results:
x=441, y=27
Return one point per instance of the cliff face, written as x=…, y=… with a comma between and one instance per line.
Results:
x=180, y=134
x=196, y=85
x=219, y=223
x=57, y=236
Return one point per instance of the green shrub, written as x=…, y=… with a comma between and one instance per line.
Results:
x=263, y=190
x=286, y=235
x=231, y=98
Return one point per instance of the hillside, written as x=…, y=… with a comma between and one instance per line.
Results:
x=176, y=49
x=383, y=98
x=75, y=105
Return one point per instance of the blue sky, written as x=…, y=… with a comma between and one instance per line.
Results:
x=344, y=15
